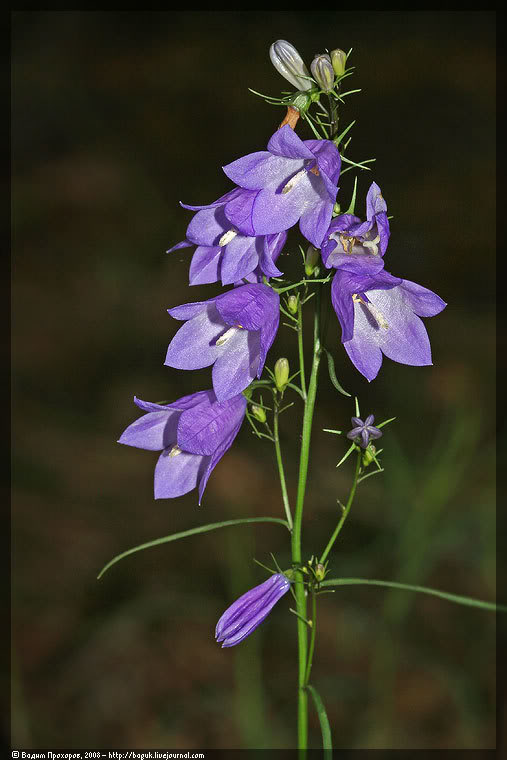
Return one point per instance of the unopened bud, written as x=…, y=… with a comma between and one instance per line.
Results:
x=320, y=572
x=311, y=260
x=338, y=59
x=287, y=61
x=323, y=72
x=292, y=304
x=282, y=373
x=259, y=413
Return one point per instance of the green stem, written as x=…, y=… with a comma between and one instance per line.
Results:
x=281, y=471
x=301, y=352
x=345, y=511
x=299, y=589
x=312, y=638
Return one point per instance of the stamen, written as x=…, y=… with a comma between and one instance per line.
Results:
x=372, y=245
x=227, y=335
x=347, y=243
x=376, y=313
x=227, y=237
x=293, y=181
x=175, y=451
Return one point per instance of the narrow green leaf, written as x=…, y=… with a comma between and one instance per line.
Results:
x=325, y=728
x=467, y=600
x=191, y=532
x=332, y=373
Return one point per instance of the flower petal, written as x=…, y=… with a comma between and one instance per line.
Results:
x=236, y=367
x=194, y=345
x=177, y=475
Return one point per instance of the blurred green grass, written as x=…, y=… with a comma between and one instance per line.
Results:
x=116, y=117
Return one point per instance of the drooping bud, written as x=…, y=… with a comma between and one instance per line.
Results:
x=292, y=304
x=259, y=413
x=282, y=374
x=338, y=59
x=311, y=260
x=287, y=61
x=323, y=72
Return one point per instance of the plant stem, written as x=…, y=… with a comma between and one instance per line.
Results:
x=312, y=638
x=299, y=589
x=281, y=472
x=345, y=511
x=301, y=352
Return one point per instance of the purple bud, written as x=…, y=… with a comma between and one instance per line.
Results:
x=248, y=612
x=323, y=72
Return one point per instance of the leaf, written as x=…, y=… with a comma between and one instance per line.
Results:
x=186, y=533
x=332, y=373
x=325, y=728
x=466, y=600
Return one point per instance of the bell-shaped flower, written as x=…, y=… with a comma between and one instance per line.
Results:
x=249, y=611
x=223, y=252
x=192, y=433
x=292, y=181
x=380, y=314
x=233, y=332
x=349, y=242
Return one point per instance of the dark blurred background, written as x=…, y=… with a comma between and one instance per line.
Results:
x=117, y=116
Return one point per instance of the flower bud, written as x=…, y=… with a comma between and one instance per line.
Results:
x=282, y=373
x=323, y=72
x=259, y=413
x=338, y=59
x=311, y=260
x=287, y=61
x=320, y=572
x=292, y=304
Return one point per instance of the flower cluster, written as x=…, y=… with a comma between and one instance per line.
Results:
x=238, y=241
x=378, y=313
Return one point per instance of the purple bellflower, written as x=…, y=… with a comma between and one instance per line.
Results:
x=223, y=252
x=248, y=612
x=365, y=431
x=292, y=181
x=379, y=314
x=192, y=433
x=233, y=332
x=350, y=242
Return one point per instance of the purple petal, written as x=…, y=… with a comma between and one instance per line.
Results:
x=285, y=142
x=375, y=203
x=423, y=302
x=202, y=429
x=216, y=457
x=237, y=365
x=208, y=226
x=315, y=222
x=177, y=474
x=194, y=345
x=220, y=202
x=261, y=169
x=272, y=247
x=183, y=244
x=153, y=431
x=328, y=158
x=205, y=266
x=239, y=211
x=189, y=310
x=240, y=257
x=364, y=355
x=249, y=305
